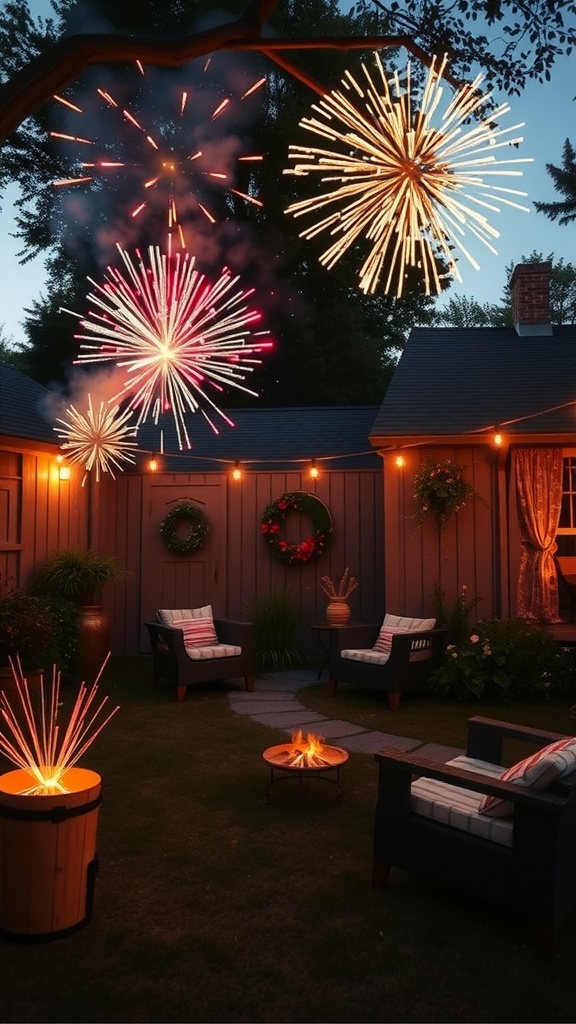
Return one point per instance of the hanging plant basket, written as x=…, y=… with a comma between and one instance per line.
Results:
x=441, y=492
x=272, y=526
x=178, y=542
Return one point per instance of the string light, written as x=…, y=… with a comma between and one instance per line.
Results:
x=498, y=439
x=400, y=461
x=153, y=464
x=236, y=472
x=313, y=470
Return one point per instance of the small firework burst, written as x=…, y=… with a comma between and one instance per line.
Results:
x=175, y=333
x=403, y=178
x=99, y=439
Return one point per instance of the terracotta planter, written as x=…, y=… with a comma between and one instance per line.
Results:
x=338, y=612
x=94, y=641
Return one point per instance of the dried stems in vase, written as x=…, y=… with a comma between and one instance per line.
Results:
x=345, y=587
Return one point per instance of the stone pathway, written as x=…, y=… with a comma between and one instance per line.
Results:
x=274, y=702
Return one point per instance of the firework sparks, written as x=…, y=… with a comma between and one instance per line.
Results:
x=33, y=741
x=160, y=157
x=98, y=439
x=175, y=333
x=406, y=180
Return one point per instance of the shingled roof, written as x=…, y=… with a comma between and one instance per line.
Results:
x=269, y=439
x=452, y=383
x=263, y=438
x=24, y=407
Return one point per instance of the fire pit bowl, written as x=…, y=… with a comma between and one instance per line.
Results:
x=302, y=760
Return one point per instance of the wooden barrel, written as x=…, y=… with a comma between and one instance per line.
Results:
x=47, y=854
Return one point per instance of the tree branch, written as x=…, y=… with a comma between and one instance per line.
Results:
x=68, y=58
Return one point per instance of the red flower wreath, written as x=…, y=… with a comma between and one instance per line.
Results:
x=272, y=523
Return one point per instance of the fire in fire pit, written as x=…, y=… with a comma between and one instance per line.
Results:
x=306, y=757
x=306, y=751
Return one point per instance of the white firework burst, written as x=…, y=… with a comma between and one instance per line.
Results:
x=98, y=439
x=176, y=334
x=404, y=178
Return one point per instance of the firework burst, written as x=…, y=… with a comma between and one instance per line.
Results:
x=161, y=161
x=404, y=178
x=175, y=333
x=99, y=439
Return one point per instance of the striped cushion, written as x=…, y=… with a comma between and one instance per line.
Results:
x=458, y=807
x=197, y=632
x=538, y=771
x=384, y=641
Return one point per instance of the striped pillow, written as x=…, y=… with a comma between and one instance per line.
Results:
x=384, y=641
x=538, y=771
x=197, y=632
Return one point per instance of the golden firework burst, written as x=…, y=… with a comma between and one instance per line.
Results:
x=98, y=439
x=404, y=177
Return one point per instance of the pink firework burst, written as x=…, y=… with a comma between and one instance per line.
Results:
x=177, y=335
x=176, y=147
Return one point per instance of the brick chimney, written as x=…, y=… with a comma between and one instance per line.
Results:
x=530, y=288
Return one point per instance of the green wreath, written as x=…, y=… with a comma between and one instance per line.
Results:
x=197, y=521
x=272, y=522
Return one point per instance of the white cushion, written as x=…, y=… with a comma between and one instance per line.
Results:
x=410, y=625
x=538, y=771
x=167, y=615
x=369, y=655
x=458, y=807
x=213, y=651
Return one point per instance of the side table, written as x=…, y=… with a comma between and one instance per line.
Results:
x=322, y=631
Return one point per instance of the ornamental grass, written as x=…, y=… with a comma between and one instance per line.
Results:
x=213, y=904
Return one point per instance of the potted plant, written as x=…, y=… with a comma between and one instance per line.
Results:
x=79, y=575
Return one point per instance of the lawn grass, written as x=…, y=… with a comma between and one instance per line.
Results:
x=213, y=904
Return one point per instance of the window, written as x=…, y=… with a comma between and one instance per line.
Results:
x=567, y=522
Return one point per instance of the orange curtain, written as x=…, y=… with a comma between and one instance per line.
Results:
x=539, y=491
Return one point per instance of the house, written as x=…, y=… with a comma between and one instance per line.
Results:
x=40, y=511
x=452, y=391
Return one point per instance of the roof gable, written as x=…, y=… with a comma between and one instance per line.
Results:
x=454, y=382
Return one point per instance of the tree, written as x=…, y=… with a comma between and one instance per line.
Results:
x=322, y=326
x=461, y=311
x=532, y=34
x=564, y=179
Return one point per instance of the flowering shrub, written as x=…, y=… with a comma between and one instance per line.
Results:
x=504, y=660
x=440, y=491
x=40, y=630
x=272, y=523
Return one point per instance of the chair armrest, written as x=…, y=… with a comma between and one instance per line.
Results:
x=486, y=735
x=232, y=631
x=409, y=763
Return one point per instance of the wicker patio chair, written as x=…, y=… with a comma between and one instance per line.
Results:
x=184, y=661
x=396, y=657
x=427, y=821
